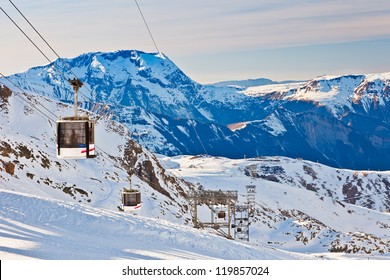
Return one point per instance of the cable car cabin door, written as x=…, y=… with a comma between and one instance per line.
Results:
x=75, y=139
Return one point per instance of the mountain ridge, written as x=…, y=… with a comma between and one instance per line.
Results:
x=252, y=83
x=180, y=111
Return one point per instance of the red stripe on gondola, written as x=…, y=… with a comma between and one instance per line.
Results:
x=84, y=151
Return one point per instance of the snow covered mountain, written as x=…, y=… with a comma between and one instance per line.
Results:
x=51, y=208
x=339, y=121
x=148, y=92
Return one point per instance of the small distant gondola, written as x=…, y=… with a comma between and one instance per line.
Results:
x=221, y=215
x=75, y=134
x=131, y=200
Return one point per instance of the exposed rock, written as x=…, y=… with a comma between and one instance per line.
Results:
x=5, y=93
x=9, y=167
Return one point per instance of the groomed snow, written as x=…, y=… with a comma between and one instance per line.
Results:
x=33, y=227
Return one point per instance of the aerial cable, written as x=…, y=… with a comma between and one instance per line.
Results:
x=15, y=85
x=32, y=26
x=56, y=68
x=29, y=103
x=147, y=26
x=51, y=48
x=21, y=30
x=32, y=42
x=197, y=135
x=154, y=42
x=63, y=75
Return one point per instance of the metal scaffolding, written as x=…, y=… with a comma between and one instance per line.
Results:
x=213, y=199
x=244, y=214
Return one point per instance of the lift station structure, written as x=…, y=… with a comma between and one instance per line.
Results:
x=219, y=202
x=225, y=212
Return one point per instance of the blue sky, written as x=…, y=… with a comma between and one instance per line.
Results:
x=212, y=40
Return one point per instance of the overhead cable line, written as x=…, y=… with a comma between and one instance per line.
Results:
x=197, y=135
x=32, y=105
x=155, y=44
x=67, y=65
x=51, y=48
x=21, y=30
x=103, y=153
x=40, y=50
x=147, y=26
x=15, y=85
x=32, y=26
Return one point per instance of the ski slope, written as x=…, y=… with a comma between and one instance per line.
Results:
x=33, y=227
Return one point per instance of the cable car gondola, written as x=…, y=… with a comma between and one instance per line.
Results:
x=131, y=200
x=221, y=214
x=75, y=134
x=75, y=138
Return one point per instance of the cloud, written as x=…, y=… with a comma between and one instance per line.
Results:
x=209, y=26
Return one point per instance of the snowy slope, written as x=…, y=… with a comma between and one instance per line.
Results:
x=36, y=228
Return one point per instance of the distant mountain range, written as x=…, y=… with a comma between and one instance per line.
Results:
x=341, y=121
x=250, y=83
